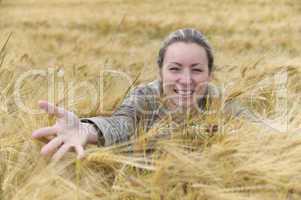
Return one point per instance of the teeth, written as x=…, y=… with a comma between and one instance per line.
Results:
x=184, y=92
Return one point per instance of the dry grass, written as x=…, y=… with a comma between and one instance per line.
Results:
x=256, y=43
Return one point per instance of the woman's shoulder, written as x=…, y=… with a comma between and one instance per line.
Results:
x=149, y=88
x=231, y=106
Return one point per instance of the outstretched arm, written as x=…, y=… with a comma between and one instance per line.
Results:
x=122, y=124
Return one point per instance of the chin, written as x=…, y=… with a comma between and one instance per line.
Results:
x=184, y=104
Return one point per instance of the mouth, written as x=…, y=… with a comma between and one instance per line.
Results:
x=185, y=93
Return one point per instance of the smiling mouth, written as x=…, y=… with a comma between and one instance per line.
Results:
x=184, y=92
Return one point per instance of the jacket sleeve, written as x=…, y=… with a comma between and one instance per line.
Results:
x=122, y=124
x=235, y=109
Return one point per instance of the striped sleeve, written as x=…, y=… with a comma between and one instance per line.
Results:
x=122, y=124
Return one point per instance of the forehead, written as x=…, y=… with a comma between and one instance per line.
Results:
x=185, y=53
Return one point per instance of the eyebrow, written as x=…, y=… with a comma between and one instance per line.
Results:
x=192, y=65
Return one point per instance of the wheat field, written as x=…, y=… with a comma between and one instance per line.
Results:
x=98, y=48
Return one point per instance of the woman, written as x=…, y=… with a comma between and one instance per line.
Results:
x=185, y=68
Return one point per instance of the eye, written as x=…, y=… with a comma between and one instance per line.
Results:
x=197, y=70
x=174, y=69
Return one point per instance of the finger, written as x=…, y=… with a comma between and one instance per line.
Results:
x=80, y=151
x=44, y=132
x=61, y=152
x=45, y=139
x=52, y=109
x=51, y=146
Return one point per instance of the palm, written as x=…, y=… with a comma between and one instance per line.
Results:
x=69, y=132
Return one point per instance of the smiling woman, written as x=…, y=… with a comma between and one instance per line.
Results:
x=185, y=69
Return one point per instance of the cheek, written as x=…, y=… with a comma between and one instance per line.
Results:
x=168, y=77
x=201, y=79
x=168, y=81
x=201, y=82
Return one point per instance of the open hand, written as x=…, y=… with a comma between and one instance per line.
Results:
x=68, y=132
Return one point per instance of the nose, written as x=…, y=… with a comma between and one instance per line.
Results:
x=185, y=78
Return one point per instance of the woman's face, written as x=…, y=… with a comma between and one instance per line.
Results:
x=185, y=73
